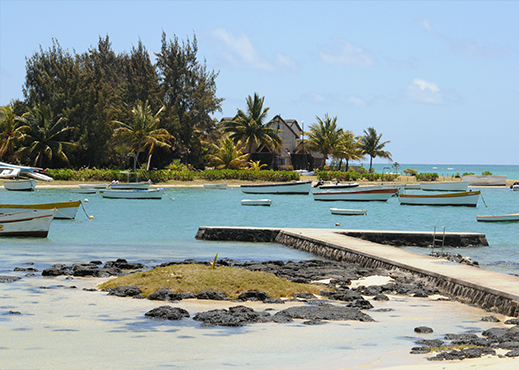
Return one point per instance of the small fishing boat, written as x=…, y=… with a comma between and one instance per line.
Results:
x=256, y=202
x=20, y=185
x=83, y=191
x=360, y=194
x=299, y=187
x=336, y=186
x=34, y=223
x=468, y=199
x=348, y=212
x=499, y=218
x=65, y=210
x=445, y=186
x=515, y=187
x=141, y=185
x=222, y=185
x=93, y=186
x=133, y=193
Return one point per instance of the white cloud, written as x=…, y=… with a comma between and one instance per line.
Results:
x=424, y=92
x=343, y=51
x=356, y=101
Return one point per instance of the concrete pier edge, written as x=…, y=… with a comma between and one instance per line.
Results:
x=492, y=291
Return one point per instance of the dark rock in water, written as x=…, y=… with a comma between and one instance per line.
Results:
x=420, y=294
x=167, y=313
x=514, y=353
x=165, y=294
x=361, y=304
x=490, y=318
x=124, y=265
x=508, y=345
x=233, y=317
x=347, y=296
x=212, y=295
x=423, y=330
x=313, y=322
x=463, y=354
x=124, y=291
x=419, y=350
x=319, y=302
x=23, y=269
x=512, y=322
x=381, y=297
x=461, y=337
x=253, y=295
x=325, y=313
x=96, y=263
x=15, y=313
x=494, y=333
x=9, y=279
x=430, y=342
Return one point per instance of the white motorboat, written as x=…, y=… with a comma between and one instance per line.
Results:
x=222, y=185
x=445, y=186
x=9, y=173
x=348, y=212
x=83, y=191
x=20, y=185
x=299, y=187
x=360, y=194
x=25, y=171
x=256, y=202
x=336, y=185
x=34, y=223
x=65, y=210
x=93, y=186
x=499, y=218
x=468, y=199
x=133, y=193
x=141, y=185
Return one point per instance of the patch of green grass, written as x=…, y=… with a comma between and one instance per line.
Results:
x=196, y=278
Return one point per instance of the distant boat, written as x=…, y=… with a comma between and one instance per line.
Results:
x=65, y=210
x=222, y=185
x=485, y=180
x=83, y=191
x=142, y=185
x=93, y=186
x=499, y=218
x=336, y=186
x=360, y=194
x=20, y=185
x=515, y=187
x=348, y=212
x=468, y=199
x=299, y=187
x=256, y=202
x=34, y=223
x=305, y=172
x=133, y=193
x=445, y=186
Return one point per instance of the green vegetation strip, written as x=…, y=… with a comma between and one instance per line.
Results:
x=196, y=278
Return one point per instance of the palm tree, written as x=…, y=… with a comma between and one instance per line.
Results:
x=250, y=127
x=324, y=136
x=348, y=148
x=228, y=155
x=143, y=132
x=11, y=132
x=44, y=137
x=372, y=145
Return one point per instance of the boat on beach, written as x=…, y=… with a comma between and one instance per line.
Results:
x=20, y=185
x=499, y=218
x=445, y=186
x=377, y=193
x=33, y=223
x=64, y=210
x=256, y=202
x=133, y=193
x=348, y=212
x=468, y=199
x=222, y=185
x=299, y=187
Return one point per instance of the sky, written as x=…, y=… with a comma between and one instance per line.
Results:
x=438, y=79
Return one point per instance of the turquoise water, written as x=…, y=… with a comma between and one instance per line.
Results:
x=510, y=171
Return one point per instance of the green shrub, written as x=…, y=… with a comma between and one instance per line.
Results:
x=410, y=172
x=427, y=176
x=486, y=173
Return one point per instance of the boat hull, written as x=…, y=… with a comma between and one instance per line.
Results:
x=357, y=195
x=93, y=186
x=349, y=185
x=301, y=187
x=65, y=210
x=20, y=185
x=133, y=194
x=27, y=223
x=485, y=180
x=348, y=212
x=256, y=202
x=467, y=199
x=216, y=186
x=445, y=186
x=144, y=185
x=499, y=218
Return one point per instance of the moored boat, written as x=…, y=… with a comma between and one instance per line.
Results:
x=93, y=186
x=515, y=187
x=141, y=185
x=299, y=187
x=133, y=193
x=20, y=185
x=358, y=194
x=65, y=210
x=499, y=218
x=468, y=199
x=222, y=185
x=256, y=202
x=336, y=186
x=83, y=191
x=445, y=186
x=485, y=180
x=348, y=212
x=34, y=223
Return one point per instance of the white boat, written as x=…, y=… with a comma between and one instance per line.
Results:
x=222, y=185
x=348, y=212
x=9, y=173
x=305, y=172
x=256, y=202
x=336, y=186
x=133, y=193
x=485, y=180
x=515, y=187
x=141, y=185
x=83, y=191
x=26, y=171
x=27, y=223
x=445, y=186
x=361, y=194
x=299, y=187
x=499, y=218
x=468, y=199
x=20, y=185
x=413, y=186
x=93, y=186
x=65, y=210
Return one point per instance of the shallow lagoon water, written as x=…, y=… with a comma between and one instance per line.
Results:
x=66, y=328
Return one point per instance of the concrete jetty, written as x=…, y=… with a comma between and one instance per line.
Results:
x=489, y=290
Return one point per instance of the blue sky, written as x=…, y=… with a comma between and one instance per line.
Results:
x=439, y=79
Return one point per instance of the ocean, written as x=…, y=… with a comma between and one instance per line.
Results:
x=66, y=328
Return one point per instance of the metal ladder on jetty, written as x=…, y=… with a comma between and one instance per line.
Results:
x=438, y=238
